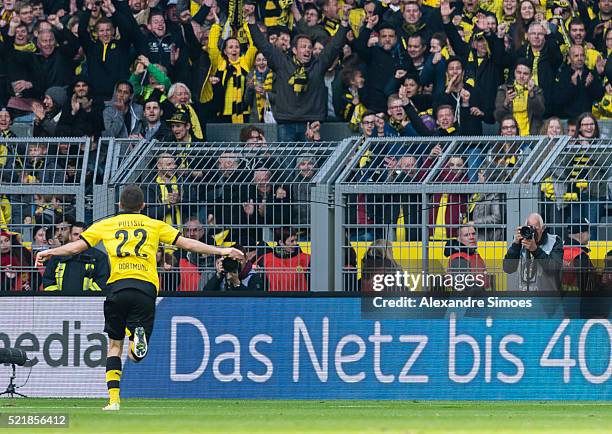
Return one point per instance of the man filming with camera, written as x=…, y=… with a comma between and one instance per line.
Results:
x=234, y=275
x=537, y=255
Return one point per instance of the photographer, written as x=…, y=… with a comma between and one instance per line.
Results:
x=537, y=254
x=234, y=275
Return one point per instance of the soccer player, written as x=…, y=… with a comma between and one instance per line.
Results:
x=131, y=240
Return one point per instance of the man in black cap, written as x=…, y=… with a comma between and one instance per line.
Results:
x=180, y=126
x=578, y=270
x=82, y=114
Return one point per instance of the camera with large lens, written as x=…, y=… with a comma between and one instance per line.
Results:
x=230, y=265
x=527, y=232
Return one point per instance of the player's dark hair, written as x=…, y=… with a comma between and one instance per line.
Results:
x=131, y=198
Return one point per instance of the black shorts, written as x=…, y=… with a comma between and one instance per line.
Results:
x=128, y=308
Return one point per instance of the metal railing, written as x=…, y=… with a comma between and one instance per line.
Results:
x=259, y=196
x=575, y=184
x=43, y=185
x=410, y=205
x=356, y=207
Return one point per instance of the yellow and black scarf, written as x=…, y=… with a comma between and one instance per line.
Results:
x=520, y=107
x=412, y=29
x=396, y=125
x=235, y=19
x=278, y=13
x=299, y=78
x=173, y=214
x=233, y=83
x=26, y=48
x=330, y=26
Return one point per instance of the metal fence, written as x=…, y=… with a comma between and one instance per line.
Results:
x=43, y=185
x=261, y=196
x=354, y=208
x=575, y=185
x=408, y=205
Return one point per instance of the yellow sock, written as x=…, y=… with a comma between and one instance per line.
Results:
x=114, y=396
x=113, y=377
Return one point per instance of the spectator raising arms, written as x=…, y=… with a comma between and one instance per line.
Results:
x=108, y=57
x=230, y=70
x=299, y=84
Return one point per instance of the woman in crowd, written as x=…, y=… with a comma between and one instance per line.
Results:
x=524, y=17
x=552, y=127
x=39, y=239
x=180, y=96
x=507, y=14
x=48, y=114
x=231, y=69
x=259, y=86
x=587, y=127
x=586, y=165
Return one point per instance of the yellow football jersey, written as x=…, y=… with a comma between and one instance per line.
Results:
x=131, y=241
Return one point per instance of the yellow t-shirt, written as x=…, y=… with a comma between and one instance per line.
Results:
x=131, y=241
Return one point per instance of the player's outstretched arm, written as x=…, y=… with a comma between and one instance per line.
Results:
x=67, y=249
x=205, y=249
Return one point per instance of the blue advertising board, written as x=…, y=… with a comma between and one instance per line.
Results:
x=323, y=348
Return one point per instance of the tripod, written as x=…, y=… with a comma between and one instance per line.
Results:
x=11, y=389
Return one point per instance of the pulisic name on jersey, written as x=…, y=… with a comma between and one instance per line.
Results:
x=131, y=223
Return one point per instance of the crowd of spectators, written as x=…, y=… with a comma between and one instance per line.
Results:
x=167, y=69
x=87, y=67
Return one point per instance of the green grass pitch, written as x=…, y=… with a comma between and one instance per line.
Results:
x=174, y=416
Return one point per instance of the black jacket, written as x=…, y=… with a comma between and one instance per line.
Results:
x=250, y=282
x=582, y=267
x=380, y=69
x=82, y=123
x=571, y=100
x=85, y=272
x=45, y=72
x=158, y=49
x=310, y=104
x=470, y=126
x=547, y=272
x=488, y=75
x=106, y=67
